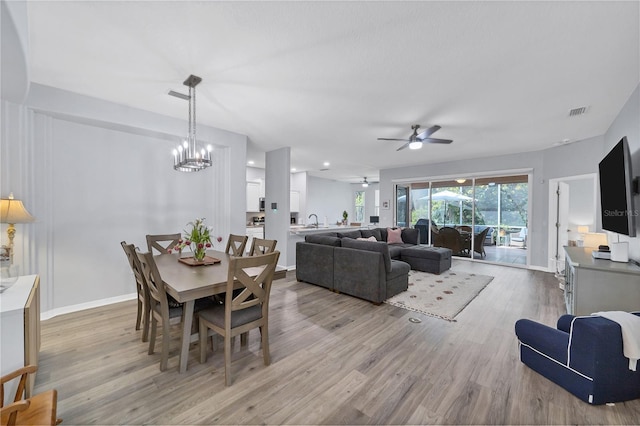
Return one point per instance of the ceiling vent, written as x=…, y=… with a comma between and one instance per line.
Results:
x=323, y=170
x=577, y=111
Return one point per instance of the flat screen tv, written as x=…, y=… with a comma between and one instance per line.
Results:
x=616, y=191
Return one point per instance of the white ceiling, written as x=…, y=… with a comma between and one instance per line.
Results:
x=328, y=78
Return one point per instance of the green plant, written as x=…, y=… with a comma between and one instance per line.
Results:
x=198, y=239
x=345, y=215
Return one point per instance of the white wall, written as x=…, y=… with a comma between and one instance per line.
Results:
x=369, y=200
x=278, y=181
x=582, y=206
x=627, y=123
x=95, y=173
x=568, y=160
x=328, y=198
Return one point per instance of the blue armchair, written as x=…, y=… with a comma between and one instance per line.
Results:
x=584, y=355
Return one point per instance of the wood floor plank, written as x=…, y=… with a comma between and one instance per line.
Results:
x=336, y=359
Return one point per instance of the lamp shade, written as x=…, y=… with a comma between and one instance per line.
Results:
x=13, y=211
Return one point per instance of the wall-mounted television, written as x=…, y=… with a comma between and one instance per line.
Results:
x=617, y=190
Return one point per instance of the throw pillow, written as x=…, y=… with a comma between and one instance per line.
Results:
x=371, y=238
x=372, y=232
x=394, y=236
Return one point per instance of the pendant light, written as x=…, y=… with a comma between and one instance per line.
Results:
x=188, y=157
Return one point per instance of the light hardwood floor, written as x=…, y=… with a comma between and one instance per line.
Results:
x=335, y=360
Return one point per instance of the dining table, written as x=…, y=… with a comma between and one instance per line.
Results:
x=187, y=283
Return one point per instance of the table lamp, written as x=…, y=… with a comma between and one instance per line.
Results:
x=12, y=211
x=581, y=231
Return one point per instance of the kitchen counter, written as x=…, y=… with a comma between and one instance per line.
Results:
x=304, y=230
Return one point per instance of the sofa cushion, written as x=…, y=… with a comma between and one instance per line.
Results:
x=395, y=251
x=371, y=238
x=350, y=234
x=394, y=236
x=366, y=233
x=410, y=236
x=323, y=239
x=377, y=246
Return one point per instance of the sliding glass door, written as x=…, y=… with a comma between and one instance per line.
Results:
x=403, y=206
x=480, y=218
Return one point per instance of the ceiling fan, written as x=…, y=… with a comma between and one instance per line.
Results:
x=416, y=140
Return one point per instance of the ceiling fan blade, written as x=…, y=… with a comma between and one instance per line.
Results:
x=388, y=139
x=403, y=146
x=428, y=132
x=434, y=140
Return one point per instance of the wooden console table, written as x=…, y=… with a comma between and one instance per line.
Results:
x=593, y=285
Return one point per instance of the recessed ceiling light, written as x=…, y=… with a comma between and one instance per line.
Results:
x=251, y=162
x=293, y=169
x=326, y=164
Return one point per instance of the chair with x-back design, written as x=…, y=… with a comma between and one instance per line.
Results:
x=162, y=243
x=261, y=246
x=243, y=311
x=236, y=245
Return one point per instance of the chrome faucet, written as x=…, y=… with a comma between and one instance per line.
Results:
x=313, y=214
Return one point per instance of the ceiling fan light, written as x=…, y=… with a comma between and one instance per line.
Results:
x=461, y=180
x=415, y=145
x=365, y=184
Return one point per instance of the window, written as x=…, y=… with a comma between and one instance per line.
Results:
x=359, y=207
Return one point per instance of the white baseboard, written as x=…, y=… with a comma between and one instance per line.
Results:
x=82, y=306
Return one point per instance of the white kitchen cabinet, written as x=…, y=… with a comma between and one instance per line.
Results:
x=254, y=232
x=294, y=201
x=253, y=196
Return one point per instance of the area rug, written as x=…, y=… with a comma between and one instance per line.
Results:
x=441, y=296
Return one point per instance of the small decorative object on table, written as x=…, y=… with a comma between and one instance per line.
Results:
x=198, y=240
x=345, y=215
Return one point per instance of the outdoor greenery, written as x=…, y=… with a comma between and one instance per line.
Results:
x=504, y=204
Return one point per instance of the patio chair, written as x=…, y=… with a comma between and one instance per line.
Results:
x=423, y=226
x=450, y=238
x=478, y=242
x=519, y=239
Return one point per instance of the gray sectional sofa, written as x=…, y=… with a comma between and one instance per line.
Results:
x=371, y=270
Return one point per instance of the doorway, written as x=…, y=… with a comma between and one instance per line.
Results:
x=572, y=214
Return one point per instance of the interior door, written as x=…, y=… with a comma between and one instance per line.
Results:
x=403, y=210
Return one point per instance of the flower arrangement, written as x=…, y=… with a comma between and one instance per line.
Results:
x=198, y=239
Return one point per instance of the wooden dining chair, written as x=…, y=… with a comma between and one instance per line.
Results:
x=236, y=245
x=39, y=409
x=261, y=246
x=144, y=310
x=162, y=243
x=159, y=307
x=240, y=313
